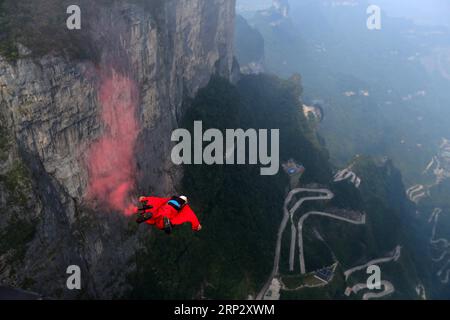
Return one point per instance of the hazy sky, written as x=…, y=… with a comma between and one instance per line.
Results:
x=431, y=12
x=244, y=5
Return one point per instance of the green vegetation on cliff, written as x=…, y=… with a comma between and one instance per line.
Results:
x=15, y=237
x=40, y=26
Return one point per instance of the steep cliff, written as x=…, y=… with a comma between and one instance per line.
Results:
x=51, y=117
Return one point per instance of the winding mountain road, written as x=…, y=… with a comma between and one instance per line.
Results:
x=394, y=257
x=388, y=289
x=324, y=194
x=288, y=214
x=435, y=212
x=347, y=174
x=444, y=271
x=327, y=195
x=324, y=214
x=415, y=193
x=433, y=240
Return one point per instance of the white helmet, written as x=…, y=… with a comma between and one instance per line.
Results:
x=184, y=198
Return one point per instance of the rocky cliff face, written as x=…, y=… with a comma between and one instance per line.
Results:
x=49, y=111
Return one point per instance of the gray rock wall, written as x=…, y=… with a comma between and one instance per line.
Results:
x=49, y=114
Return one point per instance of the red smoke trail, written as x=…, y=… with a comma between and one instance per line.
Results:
x=110, y=160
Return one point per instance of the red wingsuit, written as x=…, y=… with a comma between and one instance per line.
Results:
x=161, y=209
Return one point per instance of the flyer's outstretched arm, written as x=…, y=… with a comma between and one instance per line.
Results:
x=187, y=215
